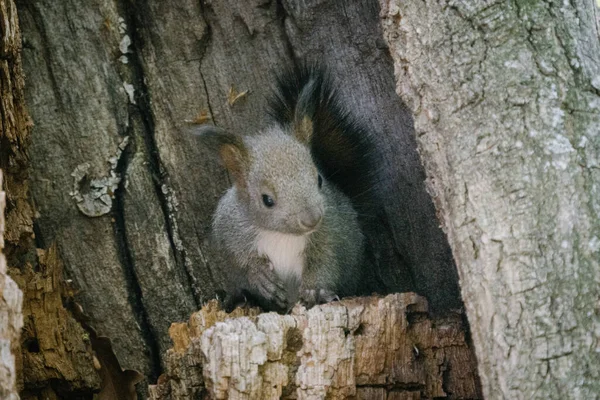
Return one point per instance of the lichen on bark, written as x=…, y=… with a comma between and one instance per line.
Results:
x=506, y=116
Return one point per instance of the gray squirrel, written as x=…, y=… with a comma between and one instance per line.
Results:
x=289, y=225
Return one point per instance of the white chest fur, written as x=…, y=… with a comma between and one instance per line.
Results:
x=286, y=252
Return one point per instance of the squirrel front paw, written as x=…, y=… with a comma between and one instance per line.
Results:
x=267, y=284
x=312, y=297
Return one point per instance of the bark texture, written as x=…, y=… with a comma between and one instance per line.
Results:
x=57, y=356
x=364, y=348
x=53, y=356
x=11, y=319
x=506, y=98
x=15, y=127
x=17, y=226
x=128, y=195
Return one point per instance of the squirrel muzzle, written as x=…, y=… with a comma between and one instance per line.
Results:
x=310, y=220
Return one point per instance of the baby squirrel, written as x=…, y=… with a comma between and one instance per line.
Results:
x=288, y=226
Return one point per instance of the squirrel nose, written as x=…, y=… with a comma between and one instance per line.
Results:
x=311, y=220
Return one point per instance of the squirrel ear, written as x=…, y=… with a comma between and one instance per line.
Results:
x=303, y=129
x=304, y=112
x=232, y=150
x=235, y=161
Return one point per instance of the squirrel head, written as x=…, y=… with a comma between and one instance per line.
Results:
x=276, y=180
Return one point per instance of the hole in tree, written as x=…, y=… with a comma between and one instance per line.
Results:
x=32, y=345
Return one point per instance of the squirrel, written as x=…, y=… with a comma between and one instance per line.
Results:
x=289, y=225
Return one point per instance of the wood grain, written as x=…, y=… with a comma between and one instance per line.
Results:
x=363, y=348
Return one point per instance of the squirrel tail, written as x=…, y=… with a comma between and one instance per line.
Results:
x=341, y=147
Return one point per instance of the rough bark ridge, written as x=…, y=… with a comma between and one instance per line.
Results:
x=128, y=196
x=11, y=319
x=506, y=97
x=53, y=355
x=57, y=357
x=13, y=120
x=15, y=127
x=364, y=348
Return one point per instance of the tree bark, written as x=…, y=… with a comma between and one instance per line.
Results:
x=364, y=348
x=50, y=356
x=128, y=195
x=506, y=99
x=56, y=360
x=12, y=122
x=11, y=300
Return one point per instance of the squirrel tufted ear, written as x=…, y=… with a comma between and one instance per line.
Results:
x=304, y=113
x=231, y=148
x=303, y=129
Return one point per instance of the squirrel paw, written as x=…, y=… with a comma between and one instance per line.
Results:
x=268, y=286
x=312, y=297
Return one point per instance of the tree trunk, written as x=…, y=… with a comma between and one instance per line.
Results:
x=12, y=122
x=506, y=99
x=363, y=348
x=53, y=356
x=127, y=195
x=11, y=300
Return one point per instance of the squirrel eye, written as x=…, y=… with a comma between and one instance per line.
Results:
x=320, y=181
x=268, y=201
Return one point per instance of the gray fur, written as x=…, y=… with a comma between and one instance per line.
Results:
x=278, y=164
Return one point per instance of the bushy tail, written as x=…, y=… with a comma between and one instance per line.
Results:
x=341, y=146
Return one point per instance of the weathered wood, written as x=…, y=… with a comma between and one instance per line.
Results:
x=56, y=353
x=506, y=97
x=53, y=356
x=366, y=348
x=14, y=138
x=16, y=231
x=11, y=318
x=91, y=134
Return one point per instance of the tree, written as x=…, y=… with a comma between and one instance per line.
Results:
x=504, y=97
x=11, y=122
x=506, y=102
x=44, y=350
x=12, y=320
x=128, y=196
x=361, y=348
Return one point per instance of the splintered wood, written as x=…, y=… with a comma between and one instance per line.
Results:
x=363, y=348
x=11, y=319
x=57, y=353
